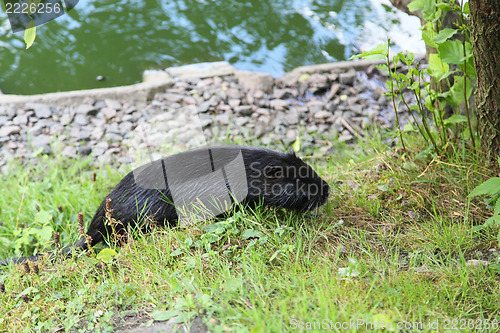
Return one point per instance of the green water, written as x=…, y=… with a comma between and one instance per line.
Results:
x=118, y=40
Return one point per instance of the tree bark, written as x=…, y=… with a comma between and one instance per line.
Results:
x=485, y=39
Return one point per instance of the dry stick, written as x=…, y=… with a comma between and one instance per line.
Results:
x=351, y=128
x=435, y=159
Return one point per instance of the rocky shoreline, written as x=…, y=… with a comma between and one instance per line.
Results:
x=194, y=105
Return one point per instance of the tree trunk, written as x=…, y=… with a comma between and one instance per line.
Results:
x=485, y=38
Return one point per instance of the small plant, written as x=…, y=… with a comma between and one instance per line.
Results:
x=491, y=187
x=446, y=82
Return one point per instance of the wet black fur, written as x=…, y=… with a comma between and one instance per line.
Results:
x=274, y=178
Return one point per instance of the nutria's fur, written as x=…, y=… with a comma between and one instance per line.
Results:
x=251, y=175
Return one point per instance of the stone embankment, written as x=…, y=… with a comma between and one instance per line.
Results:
x=193, y=105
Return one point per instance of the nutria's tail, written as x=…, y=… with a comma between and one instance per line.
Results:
x=65, y=252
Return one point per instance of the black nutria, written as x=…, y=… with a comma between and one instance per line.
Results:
x=199, y=184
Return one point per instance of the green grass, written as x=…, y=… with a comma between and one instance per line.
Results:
x=393, y=244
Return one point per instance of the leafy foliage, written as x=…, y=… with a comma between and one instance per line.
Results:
x=490, y=188
x=446, y=81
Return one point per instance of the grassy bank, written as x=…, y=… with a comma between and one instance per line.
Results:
x=394, y=247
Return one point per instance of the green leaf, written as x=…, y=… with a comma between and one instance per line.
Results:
x=491, y=186
x=106, y=255
x=45, y=234
x=176, y=253
x=437, y=67
x=233, y=284
x=275, y=254
x=297, y=144
x=470, y=70
x=383, y=67
x=42, y=217
x=188, y=242
x=30, y=34
x=466, y=8
x=457, y=91
x=379, y=52
x=164, y=315
x=428, y=35
x=444, y=35
x=409, y=128
x=416, y=5
x=497, y=207
x=455, y=119
x=251, y=233
x=451, y=51
x=444, y=6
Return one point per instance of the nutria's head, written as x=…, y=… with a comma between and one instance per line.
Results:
x=284, y=180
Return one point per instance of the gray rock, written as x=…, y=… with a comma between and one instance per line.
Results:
x=279, y=104
x=244, y=110
x=334, y=89
x=241, y=121
x=99, y=104
x=81, y=119
x=108, y=112
x=255, y=81
x=234, y=93
x=348, y=77
x=233, y=102
x=113, y=104
x=189, y=100
x=171, y=97
x=69, y=151
x=114, y=137
x=20, y=120
x=291, y=117
x=43, y=141
x=3, y=120
x=84, y=150
x=203, y=107
x=9, y=130
x=126, y=126
x=317, y=80
x=280, y=93
x=97, y=133
x=66, y=119
x=322, y=115
x=130, y=109
x=43, y=111
x=84, y=135
x=86, y=109
x=35, y=130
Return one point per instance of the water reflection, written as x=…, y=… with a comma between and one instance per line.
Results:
x=119, y=39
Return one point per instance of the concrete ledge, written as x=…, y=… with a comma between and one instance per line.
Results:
x=202, y=70
x=138, y=93
x=338, y=67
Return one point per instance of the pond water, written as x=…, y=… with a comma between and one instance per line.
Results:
x=119, y=39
